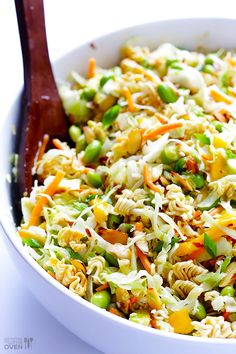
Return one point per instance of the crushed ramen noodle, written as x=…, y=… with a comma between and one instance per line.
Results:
x=137, y=212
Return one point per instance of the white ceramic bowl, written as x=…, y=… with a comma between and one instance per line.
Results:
x=109, y=333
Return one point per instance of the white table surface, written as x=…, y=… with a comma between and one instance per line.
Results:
x=69, y=23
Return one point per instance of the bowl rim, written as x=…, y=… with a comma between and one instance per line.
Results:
x=50, y=281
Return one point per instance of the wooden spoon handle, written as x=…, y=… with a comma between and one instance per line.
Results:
x=38, y=76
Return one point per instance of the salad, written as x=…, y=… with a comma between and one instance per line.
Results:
x=137, y=212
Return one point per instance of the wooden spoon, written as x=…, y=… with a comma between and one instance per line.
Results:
x=42, y=108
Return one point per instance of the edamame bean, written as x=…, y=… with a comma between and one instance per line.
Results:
x=88, y=94
x=169, y=154
x=74, y=132
x=180, y=165
x=200, y=312
x=167, y=94
x=101, y=299
x=218, y=126
x=110, y=115
x=198, y=180
x=94, y=179
x=228, y=291
x=81, y=143
x=104, y=79
x=92, y=151
x=209, y=69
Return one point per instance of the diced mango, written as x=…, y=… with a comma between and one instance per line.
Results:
x=181, y=322
x=218, y=168
x=219, y=143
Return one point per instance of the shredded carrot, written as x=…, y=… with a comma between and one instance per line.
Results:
x=220, y=96
x=144, y=260
x=52, y=274
x=102, y=287
x=148, y=179
x=161, y=130
x=59, y=145
x=43, y=201
x=133, y=300
x=162, y=119
x=197, y=214
x=114, y=236
x=128, y=97
x=88, y=169
x=139, y=226
x=91, y=68
x=116, y=312
x=43, y=147
x=182, y=181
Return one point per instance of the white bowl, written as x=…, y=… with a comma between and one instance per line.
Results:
x=109, y=333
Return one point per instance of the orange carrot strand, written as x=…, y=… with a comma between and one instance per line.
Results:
x=128, y=97
x=161, y=130
x=148, y=179
x=91, y=68
x=43, y=201
x=144, y=260
x=59, y=145
x=43, y=147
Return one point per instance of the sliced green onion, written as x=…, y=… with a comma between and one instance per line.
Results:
x=225, y=264
x=105, y=79
x=31, y=242
x=204, y=140
x=111, y=259
x=114, y=221
x=210, y=246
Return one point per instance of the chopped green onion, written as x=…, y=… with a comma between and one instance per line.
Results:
x=204, y=140
x=31, y=242
x=210, y=246
x=111, y=259
x=230, y=154
x=159, y=246
x=114, y=221
x=225, y=264
x=73, y=254
x=219, y=126
x=104, y=79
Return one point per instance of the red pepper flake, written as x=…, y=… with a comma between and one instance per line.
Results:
x=226, y=315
